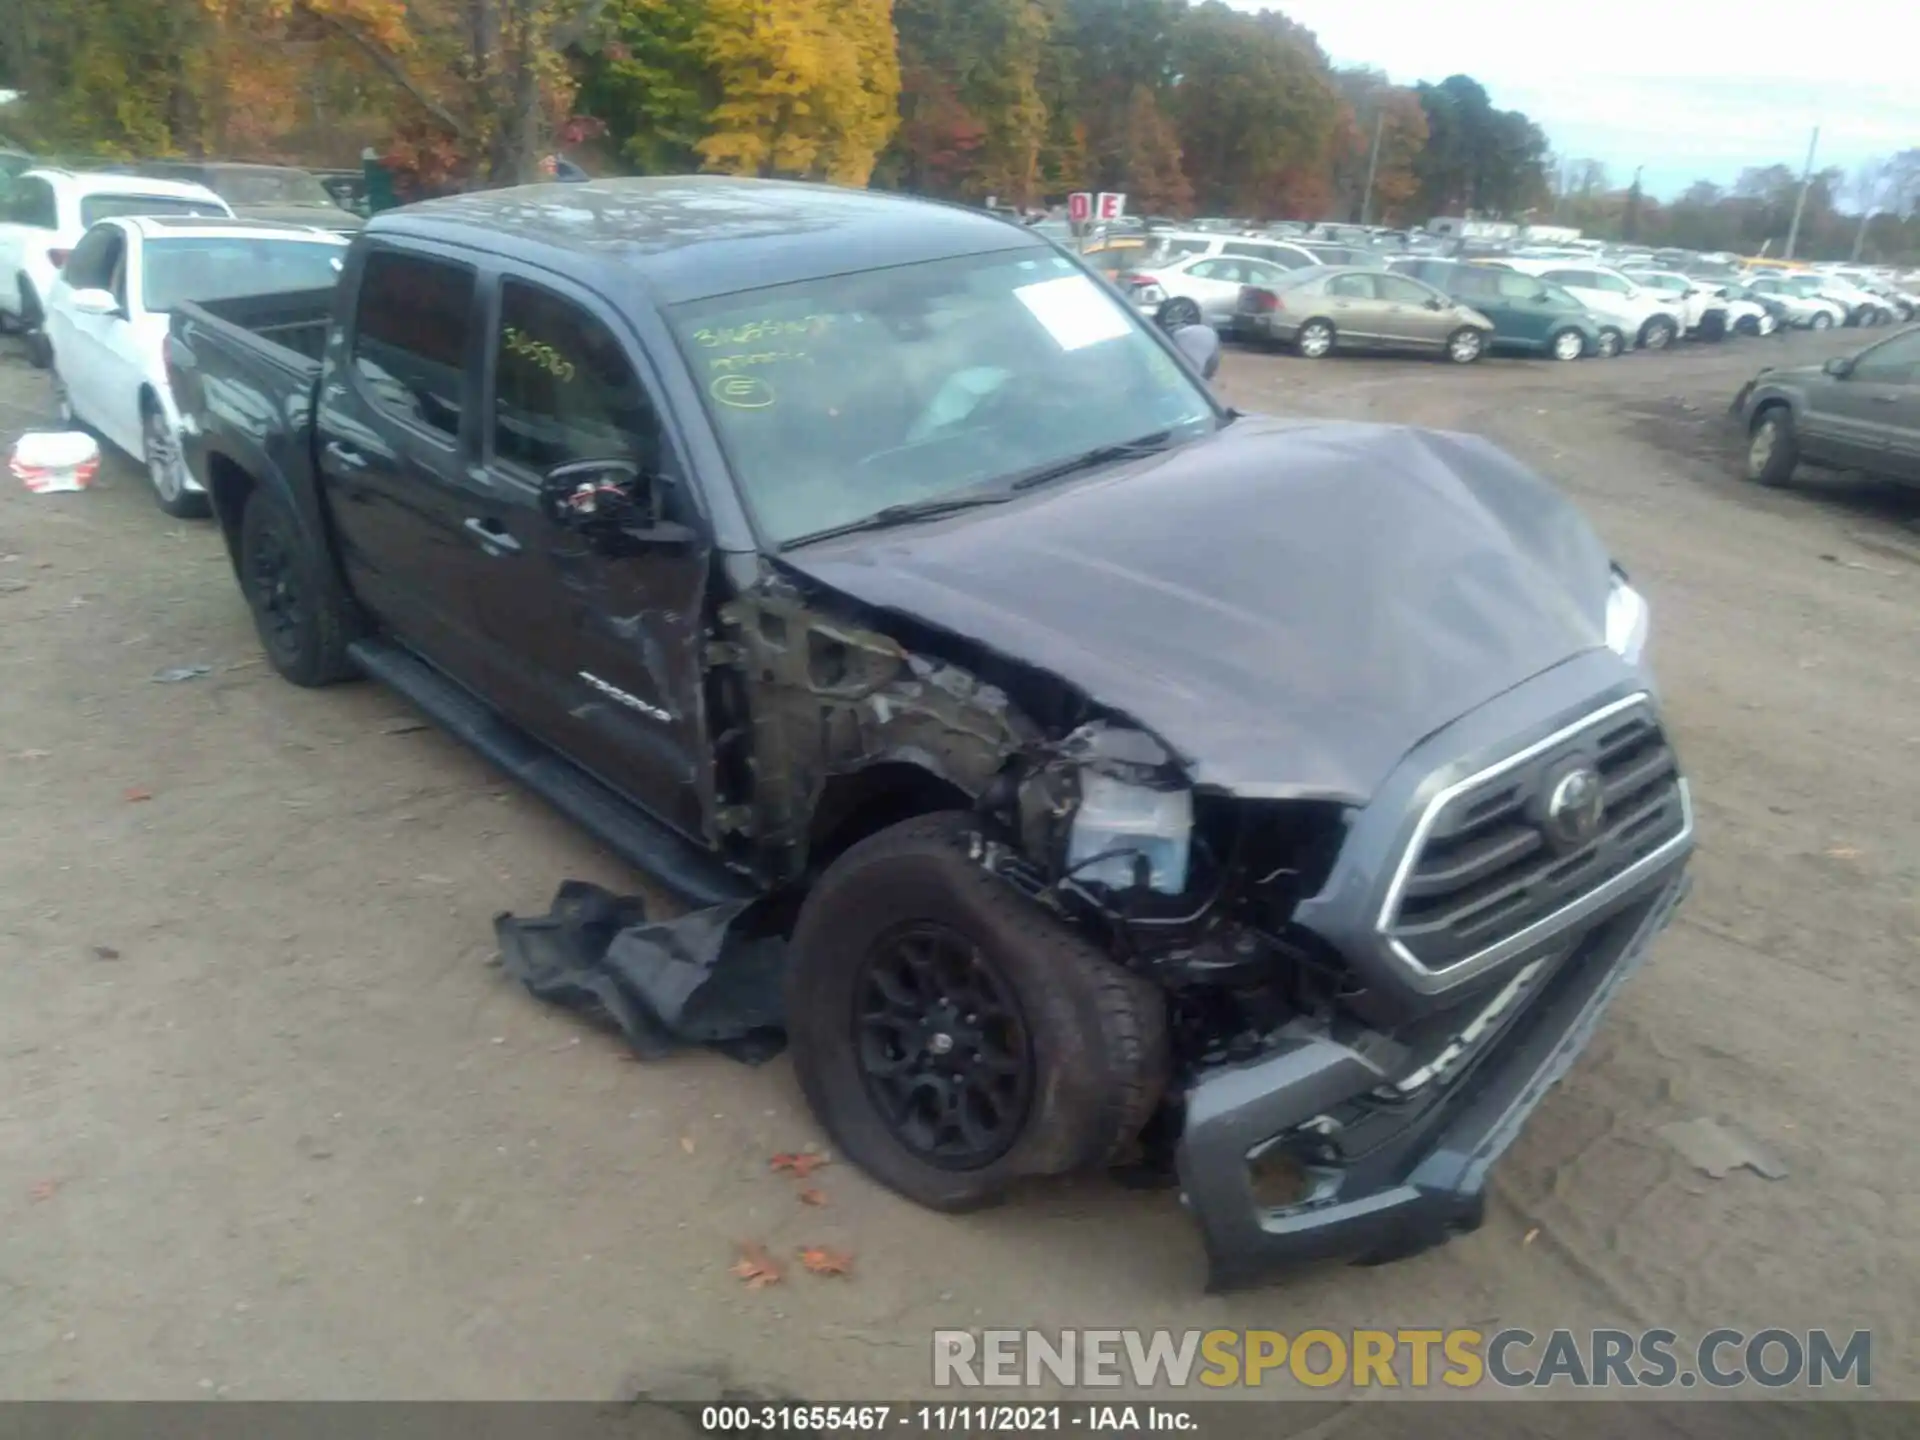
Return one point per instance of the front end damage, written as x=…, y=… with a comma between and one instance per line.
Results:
x=1366, y=1001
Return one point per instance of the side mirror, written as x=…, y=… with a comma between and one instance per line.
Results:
x=94, y=302
x=1434, y=302
x=1200, y=345
x=1840, y=366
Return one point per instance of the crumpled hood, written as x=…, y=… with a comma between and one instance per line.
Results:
x=1290, y=606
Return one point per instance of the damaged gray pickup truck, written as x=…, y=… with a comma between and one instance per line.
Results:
x=1271, y=805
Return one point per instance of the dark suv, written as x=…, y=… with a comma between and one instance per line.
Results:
x=1857, y=412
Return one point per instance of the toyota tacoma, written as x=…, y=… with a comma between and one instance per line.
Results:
x=1265, y=805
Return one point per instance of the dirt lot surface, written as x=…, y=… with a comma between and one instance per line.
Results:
x=270, y=1125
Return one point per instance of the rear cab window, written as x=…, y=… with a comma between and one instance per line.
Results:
x=412, y=321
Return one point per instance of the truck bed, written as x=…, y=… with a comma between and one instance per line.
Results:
x=290, y=326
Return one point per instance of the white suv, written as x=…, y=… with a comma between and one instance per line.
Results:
x=1649, y=318
x=1706, y=312
x=43, y=214
x=1165, y=246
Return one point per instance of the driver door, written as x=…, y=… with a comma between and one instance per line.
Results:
x=594, y=639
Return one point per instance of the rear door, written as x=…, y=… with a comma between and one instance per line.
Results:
x=1479, y=287
x=1212, y=284
x=1412, y=314
x=594, y=641
x=394, y=448
x=1875, y=405
x=1355, y=308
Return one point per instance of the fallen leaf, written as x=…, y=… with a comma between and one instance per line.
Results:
x=137, y=794
x=180, y=673
x=403, y=727
x=822, y=1261
x=686, y=1143
x=798, y=1166
x=1844, y=852
x=1531, y=1236
x=812, y=1196
x=44, y=1189
x=33, y=754
x=756, y=1266
x=105, y=952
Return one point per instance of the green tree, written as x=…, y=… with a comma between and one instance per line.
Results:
x=648, y=78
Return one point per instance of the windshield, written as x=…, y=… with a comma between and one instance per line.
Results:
x=270, y=187
x=836, y=398
x=206, y=267
x=1805, y=284
x=95, y=208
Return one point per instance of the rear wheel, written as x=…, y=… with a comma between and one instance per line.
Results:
x=167, y=468
x=303, y=619
x=1466, y=345
x=1772, y=450
x=1821, y=320
x=1567, y=344
x=954, y=1037
x=1315, y=339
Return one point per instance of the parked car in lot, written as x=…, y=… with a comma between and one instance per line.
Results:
x=1147, y=777
x=1530, y=316
x=1740, y=295
x=1169, y=245
x=1359, y=256
x=1647, y=319
x=43, y=214
x=258, y=192
x=1856, y=412
x=106, y=322
x=1333, y=308
x=1863, y=307
x=1807, y=310
x=1705, y=312
x=1197, y=289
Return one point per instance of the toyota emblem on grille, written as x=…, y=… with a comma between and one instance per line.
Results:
x=1575, y=807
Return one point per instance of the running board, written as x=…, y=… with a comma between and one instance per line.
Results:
x=691, y=874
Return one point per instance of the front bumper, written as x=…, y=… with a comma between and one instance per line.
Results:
x=1427, y=1182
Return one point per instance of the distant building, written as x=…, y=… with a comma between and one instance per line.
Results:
x=1458, y=229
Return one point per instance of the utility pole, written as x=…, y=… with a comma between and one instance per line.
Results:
x=1373, y=166
x=1800, y=205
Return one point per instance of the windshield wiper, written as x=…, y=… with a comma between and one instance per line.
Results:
x=1093, y=459
x=907, y=513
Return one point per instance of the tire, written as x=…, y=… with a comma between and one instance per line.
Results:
x=167, y=469
x=1568, y=344
x=1821, y=321
x=1093, y=1038
x=303, y=620
x=1658, y=333
x=1772, y=450
x=1177, y=312
x=1746, y=325
x=1314, y=340
x=1612, y=342
x=1713, y=326
x=33, y=326
x=1466, y=345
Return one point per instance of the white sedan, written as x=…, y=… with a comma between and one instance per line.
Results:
x=106, y=321
x=1201, y=289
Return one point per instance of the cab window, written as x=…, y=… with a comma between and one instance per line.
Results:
x=410, y=337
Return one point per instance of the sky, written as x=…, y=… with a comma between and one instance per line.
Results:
x=1687, y=89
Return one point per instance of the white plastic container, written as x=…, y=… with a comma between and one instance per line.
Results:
x=48, y=461
x=1117, y=822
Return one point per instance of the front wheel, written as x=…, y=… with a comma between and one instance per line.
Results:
x=951, y=1035
x=1315, y=340
x=1567, y=345
x=1466, y=345
x=1179, y=311
x=303, y=619
x=1772, y=450
x=167, y=468
x=1610, y=344
x=1658, y=333
x=1821, y=320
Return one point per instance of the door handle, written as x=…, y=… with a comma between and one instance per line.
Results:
x=493, y=539
x=345, y=456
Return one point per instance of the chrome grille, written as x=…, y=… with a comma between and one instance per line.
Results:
x=1485, y=868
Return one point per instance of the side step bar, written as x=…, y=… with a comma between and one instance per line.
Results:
x=691, y=874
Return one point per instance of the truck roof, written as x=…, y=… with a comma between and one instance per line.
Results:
x=692, y=236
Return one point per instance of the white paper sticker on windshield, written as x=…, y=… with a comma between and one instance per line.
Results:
x=1075, y=311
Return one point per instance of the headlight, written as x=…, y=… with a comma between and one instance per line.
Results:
x=1628, y=620
x=1118, y=824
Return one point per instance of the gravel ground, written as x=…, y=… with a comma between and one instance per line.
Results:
x=270, y=1125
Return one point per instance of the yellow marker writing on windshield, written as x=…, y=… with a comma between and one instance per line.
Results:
x=742, y=392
